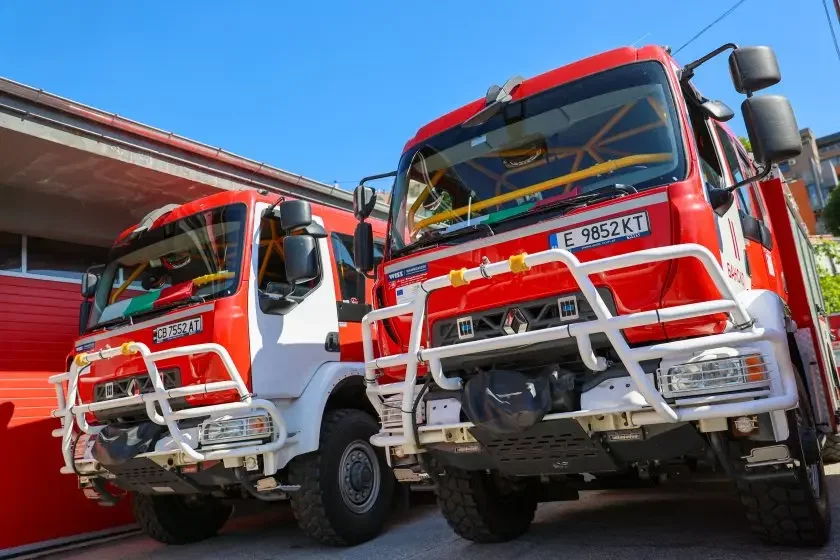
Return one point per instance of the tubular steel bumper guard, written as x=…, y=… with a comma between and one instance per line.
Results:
x=72, y=412
x=782, y=396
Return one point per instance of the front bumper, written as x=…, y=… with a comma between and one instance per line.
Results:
x=182, y=444
x=650, y=406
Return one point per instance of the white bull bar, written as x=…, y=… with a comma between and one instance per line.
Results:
x=72, y=412
x=658, y=410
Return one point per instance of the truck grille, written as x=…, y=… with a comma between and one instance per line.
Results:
x=537, y=314
x=135, y=385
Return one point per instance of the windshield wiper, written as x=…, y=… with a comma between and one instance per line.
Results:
x=579, y=201
x=435, y=238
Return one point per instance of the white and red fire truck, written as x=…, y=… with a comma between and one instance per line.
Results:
x=587, y=281
x=220, y=357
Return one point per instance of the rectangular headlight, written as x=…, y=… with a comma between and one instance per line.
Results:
x=714, y=376
x=235, y=429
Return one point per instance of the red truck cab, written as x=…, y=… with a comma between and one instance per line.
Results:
x=584, y=277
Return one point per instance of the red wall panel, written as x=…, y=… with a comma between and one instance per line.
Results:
x=38, y=322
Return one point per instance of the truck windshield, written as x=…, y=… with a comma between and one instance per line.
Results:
x=616, y=127
x=192, y=259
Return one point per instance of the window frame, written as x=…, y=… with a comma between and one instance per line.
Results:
x=24, y=271
x=295, y=300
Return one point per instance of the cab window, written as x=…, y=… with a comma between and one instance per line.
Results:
x=744, y=199
x=350, y=280
x=710, y=167
x=271, y=266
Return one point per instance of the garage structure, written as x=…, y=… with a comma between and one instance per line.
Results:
x=71, y=178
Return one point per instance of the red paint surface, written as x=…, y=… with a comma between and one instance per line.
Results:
x=38, y=322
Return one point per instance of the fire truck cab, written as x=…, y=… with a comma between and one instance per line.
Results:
x=589, y=282
x=220, y=357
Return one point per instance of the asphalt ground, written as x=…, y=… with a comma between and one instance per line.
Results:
x=700, y=521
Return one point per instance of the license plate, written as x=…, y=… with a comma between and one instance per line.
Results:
x=177, y=330
x=602, y=233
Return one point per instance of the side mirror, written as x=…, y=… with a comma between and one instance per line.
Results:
x=295, y=215
x=274, y=299
x=753, y=69
x=301, y=258
x=84, y=314
x=717, y=110
x=364, y=201
x=772, y=128
x=363, y=247
x=721, y=200
x=89, y=283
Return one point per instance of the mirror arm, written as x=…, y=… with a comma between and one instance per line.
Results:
x=762, y=173
x=688, y=70
x=380, y=176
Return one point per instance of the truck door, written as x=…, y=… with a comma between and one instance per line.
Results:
x=756, y=235
x=289, y=343
x=730, y=237
x=353, y=294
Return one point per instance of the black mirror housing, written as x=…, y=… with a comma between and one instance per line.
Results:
x=363, y=247
x=771, y=126
x=753, y=69
x=301, y=258
x=89, y=283
x=717, y=110
x=364, y=201
x=295, y=215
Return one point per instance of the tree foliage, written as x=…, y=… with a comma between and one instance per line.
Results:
x=829, y=282
x=746, y=143
x=831, y=212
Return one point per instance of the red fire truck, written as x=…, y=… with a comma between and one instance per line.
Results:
x=588, y=282
x=220, y=357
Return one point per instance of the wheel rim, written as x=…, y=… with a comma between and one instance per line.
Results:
x=359, y=477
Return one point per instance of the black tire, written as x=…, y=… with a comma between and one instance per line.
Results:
x=320, y=506
x=796, y=511
x=831, y=450
x=476, y=508
x=180, y=519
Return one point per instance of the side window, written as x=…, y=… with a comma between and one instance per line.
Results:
x=743, y=193
x=271, y=266
x=350, y=280
x=709, y=165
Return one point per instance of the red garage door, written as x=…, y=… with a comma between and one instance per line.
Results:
x=39, y=305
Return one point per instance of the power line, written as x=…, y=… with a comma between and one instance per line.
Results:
x=831, y=27
x=723, y=15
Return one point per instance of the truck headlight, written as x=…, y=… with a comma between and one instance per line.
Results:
x=714, y=375
x=235, y=429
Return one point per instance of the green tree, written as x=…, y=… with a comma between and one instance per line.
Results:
x=746, y=143
x=829, y=282
x=831, y=212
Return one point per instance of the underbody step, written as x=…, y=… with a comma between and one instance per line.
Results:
x=553, y=447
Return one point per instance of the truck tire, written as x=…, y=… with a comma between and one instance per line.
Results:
x=180, y=519
x=346, y=487
x=478, y=510
x=831, y=449
x=793, y=511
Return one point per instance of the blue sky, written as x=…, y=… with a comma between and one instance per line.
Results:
x=333, y=90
